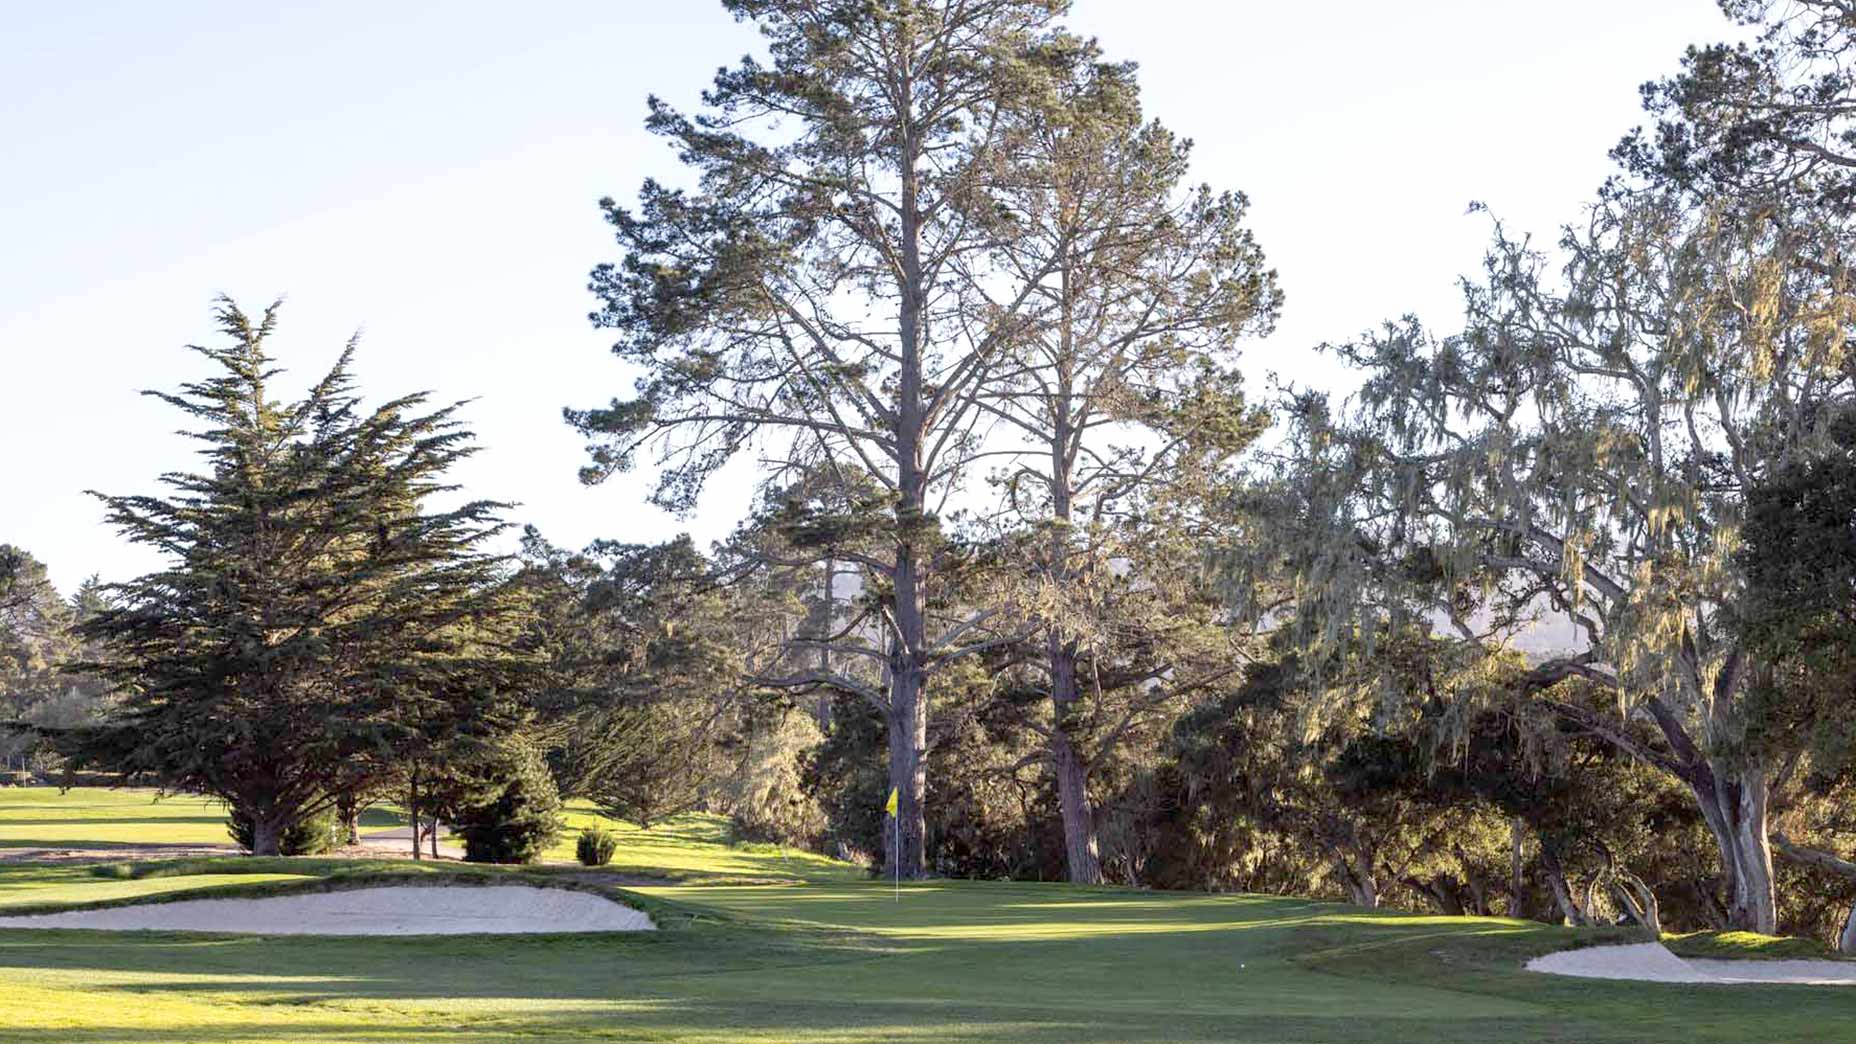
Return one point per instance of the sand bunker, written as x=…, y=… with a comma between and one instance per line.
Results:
x=1652, y=962
x=394, y=910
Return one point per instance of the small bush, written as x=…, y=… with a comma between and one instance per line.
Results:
x=596, y=846
x=312, y=836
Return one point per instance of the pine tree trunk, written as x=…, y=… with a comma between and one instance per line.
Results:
x=1082, y=854
x=908, y=697
x=1082, y=851
x=908, y=736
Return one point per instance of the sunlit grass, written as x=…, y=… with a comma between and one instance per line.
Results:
x=828, y=955
x=696, y=845
x=94, y=817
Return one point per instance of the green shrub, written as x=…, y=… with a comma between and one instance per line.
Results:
x=596, y=846
x=521, y=821
x=311, y=836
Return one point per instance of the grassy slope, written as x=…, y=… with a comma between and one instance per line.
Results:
x=829, y=957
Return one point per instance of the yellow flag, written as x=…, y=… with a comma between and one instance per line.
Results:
x=891, y=806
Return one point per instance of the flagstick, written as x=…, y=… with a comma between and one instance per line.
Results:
x=898, y=821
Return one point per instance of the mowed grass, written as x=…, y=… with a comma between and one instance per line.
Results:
x=830, y=957
x=684, y=847
x=94, y=817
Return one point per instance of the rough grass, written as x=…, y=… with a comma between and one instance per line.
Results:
x=830, y=957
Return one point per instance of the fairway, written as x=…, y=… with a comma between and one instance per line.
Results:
x=90, y=817
x=826, y=955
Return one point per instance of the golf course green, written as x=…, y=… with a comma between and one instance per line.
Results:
x=760, y=944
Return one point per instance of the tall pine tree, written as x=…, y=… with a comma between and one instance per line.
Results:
x=827, y=293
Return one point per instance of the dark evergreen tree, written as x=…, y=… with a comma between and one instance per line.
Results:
x=515, y=814
x=1799, y=553
x=315, y=618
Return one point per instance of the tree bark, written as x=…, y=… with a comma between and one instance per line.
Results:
x=349, y=810
x=1082, y=851
x=1517, y=867
x=266, y=835
x=1362, y=888
x=1082, y=854
x=1443, y=891
x=412, y=808
x=908, y=697
x=1638, y=902
x=1734, y=804
x=1555, y=874
x=821, y=704
x=908, y=738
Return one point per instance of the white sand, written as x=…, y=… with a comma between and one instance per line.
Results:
x=1648, y=962
x=1652, y=962
x=393, y=910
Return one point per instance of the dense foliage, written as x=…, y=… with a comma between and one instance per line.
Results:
x=515, y=815
x=316, y=623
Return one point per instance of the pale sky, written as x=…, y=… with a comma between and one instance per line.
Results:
x=428, y=173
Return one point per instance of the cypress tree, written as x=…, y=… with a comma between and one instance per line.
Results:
x=315, y=620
